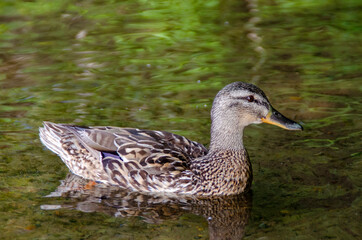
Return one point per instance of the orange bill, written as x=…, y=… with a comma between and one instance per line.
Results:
x=276, y=118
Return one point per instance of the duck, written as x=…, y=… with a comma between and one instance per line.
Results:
x=155, y=161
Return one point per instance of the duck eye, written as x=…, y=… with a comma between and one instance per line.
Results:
x=250, y=98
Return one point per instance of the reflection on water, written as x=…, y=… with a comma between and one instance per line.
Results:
x=158, y=65
x=226, y=216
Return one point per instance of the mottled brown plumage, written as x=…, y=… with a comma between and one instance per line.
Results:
x=159, y=161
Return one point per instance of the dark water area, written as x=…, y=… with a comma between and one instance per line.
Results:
x=158, y=65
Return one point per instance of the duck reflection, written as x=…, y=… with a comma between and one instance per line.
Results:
x=226, y=216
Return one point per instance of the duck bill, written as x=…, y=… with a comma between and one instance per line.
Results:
x=276, y=118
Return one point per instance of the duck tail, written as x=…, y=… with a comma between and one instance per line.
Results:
x=80, y=159
x=51, y=135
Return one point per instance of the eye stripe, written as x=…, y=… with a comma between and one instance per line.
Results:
x=248, y=99
x=241, y=98
x=265, y=104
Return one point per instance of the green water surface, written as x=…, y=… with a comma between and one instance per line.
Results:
x=157, y=64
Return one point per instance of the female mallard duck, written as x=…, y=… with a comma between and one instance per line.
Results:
x=158, y=161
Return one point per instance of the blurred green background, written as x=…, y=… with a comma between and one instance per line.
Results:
x=157, y=64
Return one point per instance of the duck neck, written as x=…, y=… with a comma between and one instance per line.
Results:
x=227, y=136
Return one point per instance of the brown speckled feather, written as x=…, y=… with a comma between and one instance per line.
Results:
x=234, y=175
x=158, y=161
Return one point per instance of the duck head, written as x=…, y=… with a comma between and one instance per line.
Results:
x=238, y=105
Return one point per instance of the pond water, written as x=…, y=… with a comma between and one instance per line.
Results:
x=157, y=65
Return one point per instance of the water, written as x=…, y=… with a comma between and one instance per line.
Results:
x=158, y=65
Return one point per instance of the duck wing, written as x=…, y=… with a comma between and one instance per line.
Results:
x=155, y=151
